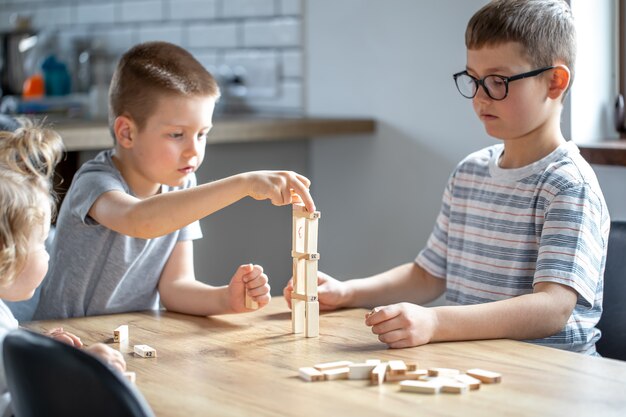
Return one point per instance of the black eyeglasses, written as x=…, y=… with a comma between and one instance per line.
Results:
x=496, y=86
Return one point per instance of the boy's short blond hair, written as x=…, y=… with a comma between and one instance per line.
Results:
x=545, y=29
x=28, y=157
x=151, y=70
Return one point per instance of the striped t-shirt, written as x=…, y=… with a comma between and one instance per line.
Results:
x=500, y=231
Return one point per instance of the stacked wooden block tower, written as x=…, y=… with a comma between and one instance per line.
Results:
x=305, y=308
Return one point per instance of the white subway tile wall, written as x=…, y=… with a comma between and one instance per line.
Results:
x=259, y=40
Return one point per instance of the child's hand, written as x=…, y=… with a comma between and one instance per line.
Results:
x=331, y=293
x=65, y=337
x=108, y=355
x=252, y=278
x=280, y=187
x=402, y=325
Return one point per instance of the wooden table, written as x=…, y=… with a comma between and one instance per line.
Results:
x=247, y=365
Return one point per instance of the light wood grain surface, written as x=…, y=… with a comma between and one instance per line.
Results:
x=247, y=365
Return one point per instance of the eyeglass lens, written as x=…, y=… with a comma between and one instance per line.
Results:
x=495, y=86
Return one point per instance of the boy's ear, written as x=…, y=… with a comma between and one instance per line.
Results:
x=124, y=129
x=559, y=81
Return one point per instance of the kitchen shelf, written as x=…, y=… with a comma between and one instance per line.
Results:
x=82, y=136
x=605, y=153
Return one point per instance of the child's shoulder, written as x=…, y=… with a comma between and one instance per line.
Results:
x=570, y=169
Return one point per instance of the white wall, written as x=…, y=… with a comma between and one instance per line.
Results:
x=393, y=61
x=594, y=92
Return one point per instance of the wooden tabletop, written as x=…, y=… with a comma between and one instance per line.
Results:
x=247, y=365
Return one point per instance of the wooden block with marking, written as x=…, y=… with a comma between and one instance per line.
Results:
x=422, y=387
x=360, y=370
x=472, y=382
x=332, y=365
x=121, y=334
x=336, y=373
x=487, y=377
x=250, y=303
x=300, y=211
x=310, y=374
x=145, y=351
x=130, y=376
x=307, y=256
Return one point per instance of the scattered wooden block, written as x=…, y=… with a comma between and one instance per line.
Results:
x=422, y=387
x=472, y=382
x=378, y=374
x=145, y=351
x=372, y=361
x=411, y=365
x=121, y=334
x=131, y=376
x=336, y=373
x=487, y=377
x=310, y=374
x=408, y=375
x=332, y=365
x=361, y=370
x=443, y=372
x=454, y=387
x=396, y=367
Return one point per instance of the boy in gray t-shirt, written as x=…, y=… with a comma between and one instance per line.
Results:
x=125, y=229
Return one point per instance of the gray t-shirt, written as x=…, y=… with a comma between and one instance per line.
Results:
x=94, y=270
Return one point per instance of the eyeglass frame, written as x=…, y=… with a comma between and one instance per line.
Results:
x=481, y=82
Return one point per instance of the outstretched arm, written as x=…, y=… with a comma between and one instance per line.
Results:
x=164, y=213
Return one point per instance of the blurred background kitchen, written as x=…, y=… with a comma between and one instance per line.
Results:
x=390, y=63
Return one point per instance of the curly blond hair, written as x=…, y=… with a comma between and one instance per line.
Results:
x=28, y=158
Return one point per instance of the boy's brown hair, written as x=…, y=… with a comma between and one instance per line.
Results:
x=545, y=29
x=150, y=70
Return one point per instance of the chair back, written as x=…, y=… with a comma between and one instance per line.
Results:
x=50, y=378
x=612, y=343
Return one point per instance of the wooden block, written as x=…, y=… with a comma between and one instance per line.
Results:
x=312, y=319
x=300, y=211
x=372, y=361
x=472, y=382
x=487, y=377
x=307, y=256
x=121, y=334
x=332, y=365
x=443, y=372
x=411, y=365
x=337, y=373
x=378, y=374
x=422, y=387
x=310, y=277
x=298, y=234
x=360, y=370
x=396, y=367
x=303, y=297
x=310, y=374
x=454, y=387
x=299, y=275
x=297, y=315
x=250, y=303
x=408, y=375
x=145, y=351
x=131, y=376
x=310, y=236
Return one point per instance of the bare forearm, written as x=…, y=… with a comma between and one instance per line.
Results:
x=407, y=282
x=531, y=316
x=165, y=213
x=194, y=297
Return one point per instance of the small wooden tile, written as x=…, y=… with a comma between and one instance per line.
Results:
x=454, y=387
x=396, y=367
x=422, y=387
x=487, y=377
x=444, y=372
x=361, y=370
x=145, y=351
x=121, y=334
x=310, y=374
x=336, y=373
x=378, y=374
x=332, y=365
x=472, y=382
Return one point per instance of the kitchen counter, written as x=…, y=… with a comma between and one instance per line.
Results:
x=83, y=136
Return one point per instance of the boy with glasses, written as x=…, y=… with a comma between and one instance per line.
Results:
x=519, y=246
